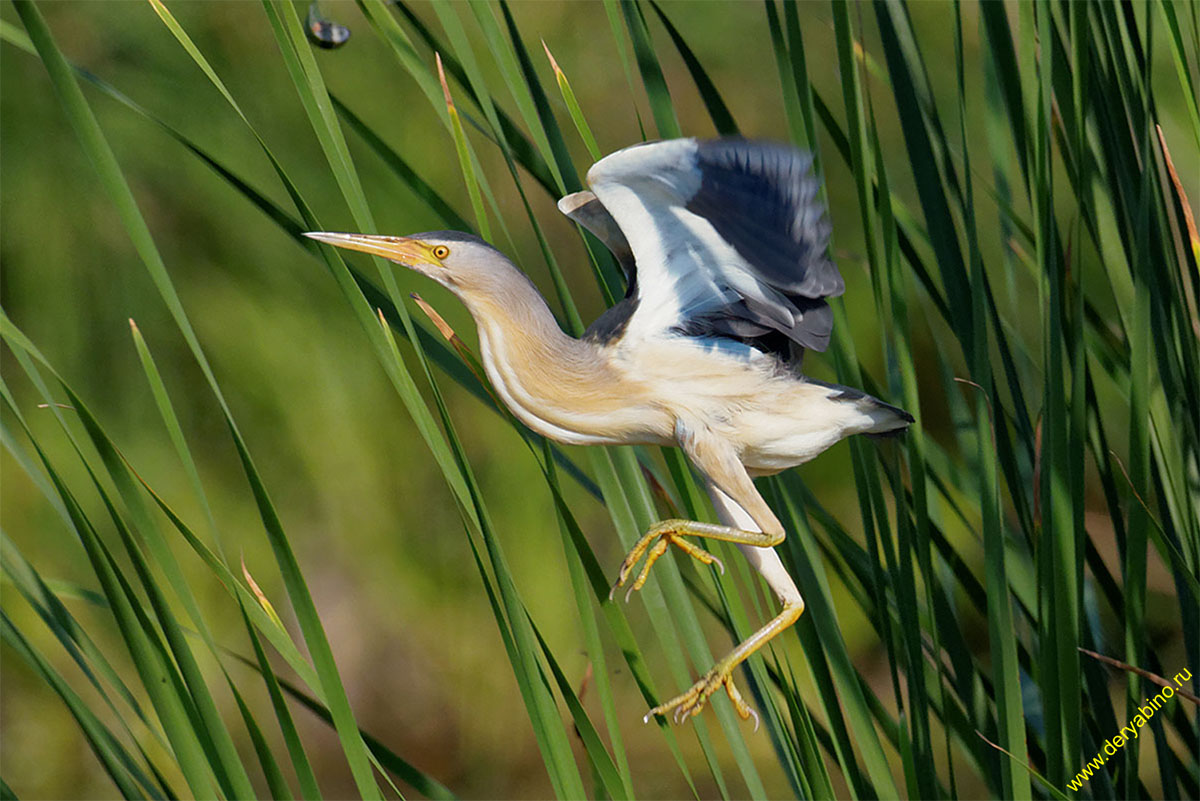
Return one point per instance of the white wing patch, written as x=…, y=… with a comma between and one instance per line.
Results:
x=684, y=266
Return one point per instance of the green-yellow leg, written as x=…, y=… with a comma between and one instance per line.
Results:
x=653, y=545
x=672, y=532
x=721, y=674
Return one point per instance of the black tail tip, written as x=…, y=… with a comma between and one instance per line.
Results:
x=895, y=433
x=895, y=423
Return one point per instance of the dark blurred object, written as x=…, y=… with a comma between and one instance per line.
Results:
x=323, y=32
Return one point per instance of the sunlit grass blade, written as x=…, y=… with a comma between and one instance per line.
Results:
x=721, y=117
x=577, y=117
x=403, y=170
x=448, y=15
x=509, y=55
x=613, y=783
x=464, y=159
x=606, y=271
x=276, y=783
x=309, y=789
x=608, y=275
x=519, y=147
x=653, y=80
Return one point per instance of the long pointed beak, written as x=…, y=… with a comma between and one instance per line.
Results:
x=402, y=250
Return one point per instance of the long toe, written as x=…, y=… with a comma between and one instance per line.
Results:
x=744, y=710
x=652, y=546
x=692, y=702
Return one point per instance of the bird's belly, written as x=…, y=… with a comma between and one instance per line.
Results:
x=574, y=428
x=783, y=424
x=771, y=456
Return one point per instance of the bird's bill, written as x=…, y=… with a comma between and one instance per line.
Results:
x=400, y=249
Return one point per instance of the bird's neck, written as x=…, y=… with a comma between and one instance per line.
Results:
x=515, y=322
x=556, y=384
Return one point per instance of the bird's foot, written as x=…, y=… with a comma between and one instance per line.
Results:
x=692, y=702
x=653, y=545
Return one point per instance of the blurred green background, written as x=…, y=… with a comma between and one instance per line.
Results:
x=375, y=528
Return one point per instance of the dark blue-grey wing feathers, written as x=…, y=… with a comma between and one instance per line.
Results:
x=761, y=198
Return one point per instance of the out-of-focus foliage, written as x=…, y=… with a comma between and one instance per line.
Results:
x=1003, y=213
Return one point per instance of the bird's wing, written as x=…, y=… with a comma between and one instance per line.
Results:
x=728, y=239
x=585, y=209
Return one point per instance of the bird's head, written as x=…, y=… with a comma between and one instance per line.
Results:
x=463, y=263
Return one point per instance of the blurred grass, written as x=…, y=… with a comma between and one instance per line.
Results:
x=1051, y=502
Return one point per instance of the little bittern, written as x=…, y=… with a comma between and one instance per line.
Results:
x=724, y=245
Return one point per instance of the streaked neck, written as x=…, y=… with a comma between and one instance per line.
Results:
x=559, y=386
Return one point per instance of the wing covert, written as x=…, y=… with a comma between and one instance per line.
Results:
x=585, y=209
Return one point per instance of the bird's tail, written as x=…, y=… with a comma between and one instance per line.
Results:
x=890, y=421
x=880, y=419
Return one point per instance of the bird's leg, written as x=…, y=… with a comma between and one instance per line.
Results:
x=720, y=675
x=747, y=522
x=766, y=562
x=672, y=532
x=757, y=546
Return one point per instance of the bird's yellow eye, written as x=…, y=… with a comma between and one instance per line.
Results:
x=441, y=251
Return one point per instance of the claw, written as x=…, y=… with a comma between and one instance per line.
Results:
x=692, y=702
x=653, y=545
x=744, y=710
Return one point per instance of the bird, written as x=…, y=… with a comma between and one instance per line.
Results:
x=725, y=248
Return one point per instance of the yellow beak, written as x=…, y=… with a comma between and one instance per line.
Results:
x=402, y=250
